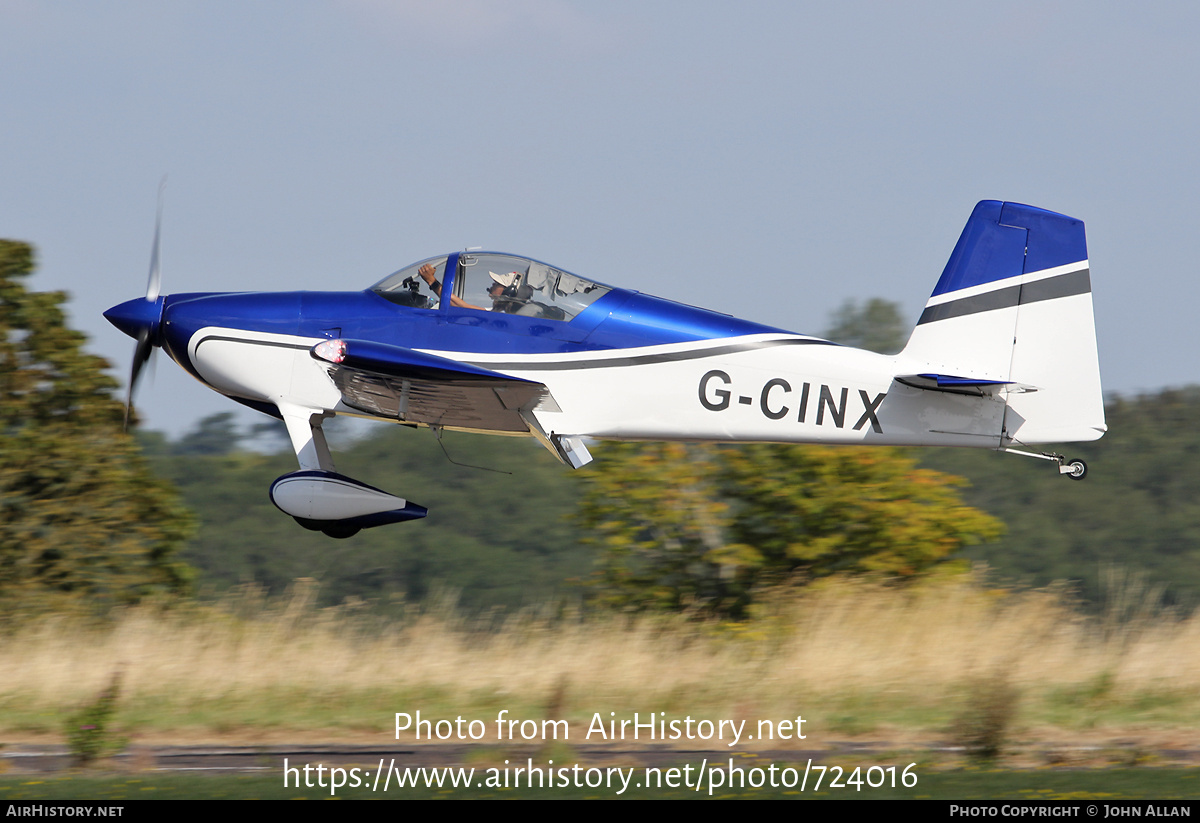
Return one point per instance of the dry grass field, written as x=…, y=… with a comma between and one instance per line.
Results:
x=953, y=661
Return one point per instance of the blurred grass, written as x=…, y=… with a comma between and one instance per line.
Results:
x=853, y=658
x=964, y=784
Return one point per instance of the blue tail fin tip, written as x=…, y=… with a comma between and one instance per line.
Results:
x=1003, y=240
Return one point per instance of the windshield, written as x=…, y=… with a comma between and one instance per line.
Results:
x=408, y=288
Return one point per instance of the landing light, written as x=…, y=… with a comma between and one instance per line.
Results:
x=334, y=351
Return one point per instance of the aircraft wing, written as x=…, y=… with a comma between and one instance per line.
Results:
x=414, y=387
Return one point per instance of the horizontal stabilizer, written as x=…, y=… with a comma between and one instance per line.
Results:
x=950, y=381
x=961, y=385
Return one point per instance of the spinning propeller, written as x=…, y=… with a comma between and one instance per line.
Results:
x=140, y=318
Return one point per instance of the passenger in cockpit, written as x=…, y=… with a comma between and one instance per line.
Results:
x=506, y=298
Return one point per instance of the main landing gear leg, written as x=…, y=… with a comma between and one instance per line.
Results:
x=312, y=452
x=1074, y=468
x=308, y=440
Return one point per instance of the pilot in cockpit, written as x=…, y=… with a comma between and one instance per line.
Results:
x=503, y=296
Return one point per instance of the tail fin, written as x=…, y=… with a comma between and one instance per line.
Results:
x=1013, y=309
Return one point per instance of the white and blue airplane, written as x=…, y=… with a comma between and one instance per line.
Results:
x=1003, y=357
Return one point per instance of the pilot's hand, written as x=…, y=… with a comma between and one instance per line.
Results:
x=427, y=273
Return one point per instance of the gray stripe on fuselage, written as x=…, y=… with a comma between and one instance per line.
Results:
x=645, y=359
x=1063, y=285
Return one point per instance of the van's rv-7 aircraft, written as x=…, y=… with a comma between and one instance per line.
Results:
x=1003, y=356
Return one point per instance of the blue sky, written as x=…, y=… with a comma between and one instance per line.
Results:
x=767, y=159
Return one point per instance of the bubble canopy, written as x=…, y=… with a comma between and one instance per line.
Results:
x=492, y=281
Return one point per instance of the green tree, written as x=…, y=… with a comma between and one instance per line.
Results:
x=813, y=511
x=215, y=434
x=83, y=522
x=654, y=512
x=705, y=527
x=875, y=326
x=1138, y=511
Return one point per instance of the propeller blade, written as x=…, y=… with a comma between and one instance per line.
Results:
x=145, y=347
x=141, y=353
x=152, y=284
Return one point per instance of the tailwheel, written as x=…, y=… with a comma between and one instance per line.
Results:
x=1075, y=469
